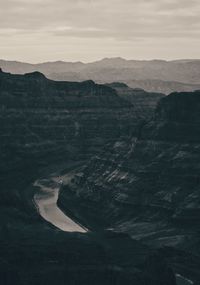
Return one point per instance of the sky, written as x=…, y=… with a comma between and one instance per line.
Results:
x=88, y=30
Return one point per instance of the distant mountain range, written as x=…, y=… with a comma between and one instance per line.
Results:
x=154, y=75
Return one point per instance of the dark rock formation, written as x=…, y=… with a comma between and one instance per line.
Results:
x=148, y=186
x=43, y=121
x=36, y=256
x=43, y=124
x=144, y=102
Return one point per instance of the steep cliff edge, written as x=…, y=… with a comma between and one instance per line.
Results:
x=148, y=186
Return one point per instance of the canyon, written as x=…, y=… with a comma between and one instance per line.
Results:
x=129, y=164
x=148, y=186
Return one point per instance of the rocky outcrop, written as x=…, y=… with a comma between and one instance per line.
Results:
x=148, y=186
x=144, y=102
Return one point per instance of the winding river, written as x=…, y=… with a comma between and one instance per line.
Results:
x=45, y=199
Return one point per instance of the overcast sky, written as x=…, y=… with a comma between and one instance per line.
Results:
x=88, y=30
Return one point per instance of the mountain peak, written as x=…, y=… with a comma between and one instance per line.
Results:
x=35, y=74
x=118, y=85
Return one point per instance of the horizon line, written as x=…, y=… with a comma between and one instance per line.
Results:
x=99, y=60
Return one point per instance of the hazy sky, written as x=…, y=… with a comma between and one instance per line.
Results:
x=87, y=30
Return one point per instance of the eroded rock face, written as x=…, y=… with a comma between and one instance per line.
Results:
x=44, y=122
x=167, y=146
x=144, y=102
x=148, y=186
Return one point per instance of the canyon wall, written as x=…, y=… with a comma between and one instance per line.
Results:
x=44, y=122
x=148, y=186
x=49, y=126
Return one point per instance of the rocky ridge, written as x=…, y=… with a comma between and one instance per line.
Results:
x=144, y=102
x=153, y=76
x=43, y=121
x=148, y=186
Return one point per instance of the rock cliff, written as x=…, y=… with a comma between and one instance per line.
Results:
x=44, y=122
x=144, y=102
x=148, y=186
x=49, y=126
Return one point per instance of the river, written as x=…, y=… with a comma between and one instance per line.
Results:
x=45, y=199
